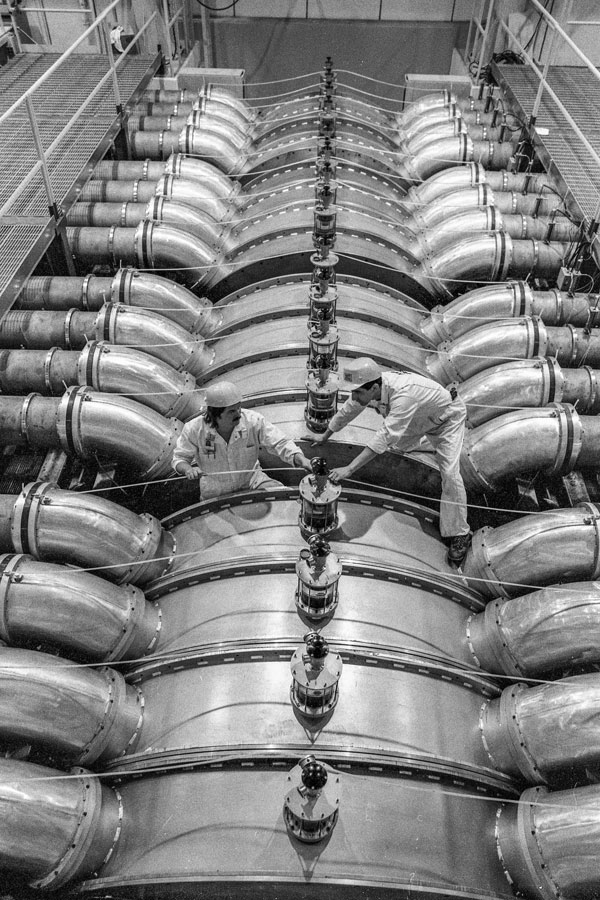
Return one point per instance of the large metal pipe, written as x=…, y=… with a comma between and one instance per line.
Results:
x=197, y=120
x=490, y=257
x=87, y=531
x=106, y=368
x=151, y=245
x=554, y=439
x=142, y=290
x=160, y=209
x=454, y=150
x=55, y=828
x=546, y=631
x=85, y=714
x=539, y=549
x=534, y=732
x=189, y=192
x=114, y=323
x=89, y=424
x=211, y=146
x=522, y=338
x=186, y=167
x=548, y=842
x=508, y=301
x=528, y=383
x=75, y=611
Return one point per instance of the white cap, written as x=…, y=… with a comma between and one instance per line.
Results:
x=358, y=372
x=224, y=393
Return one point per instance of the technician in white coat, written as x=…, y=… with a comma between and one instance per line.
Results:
x=412, y=406
x=221, y=446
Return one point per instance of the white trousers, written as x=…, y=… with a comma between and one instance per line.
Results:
x=447, y=441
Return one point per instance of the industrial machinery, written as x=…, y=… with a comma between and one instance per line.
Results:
x=291, y=693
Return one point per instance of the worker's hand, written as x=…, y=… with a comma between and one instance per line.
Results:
x=192, y=473
x=340, y=474
x=302, y=462
x=315, y=440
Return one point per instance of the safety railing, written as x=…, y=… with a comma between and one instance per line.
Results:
x=481, y=40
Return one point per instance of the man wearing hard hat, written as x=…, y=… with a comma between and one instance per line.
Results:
x=221, y=446
x=412, y=406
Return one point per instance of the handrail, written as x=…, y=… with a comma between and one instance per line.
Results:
x=56, y=65
x=571, y=43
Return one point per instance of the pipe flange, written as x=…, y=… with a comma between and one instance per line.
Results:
x=479, y=569
x=553, y=381
x=143, y=244
x=68, y=423
x=145, y=166
x=111, y=245
x=145, y=558
x=47, y=367
x=123, y=214
x=105, y=324
x=24, y=412
x=161, y=467
x=487, y=644
x=522, y=298
x=134, y=190
x=67, y=328
x=118, y=828
x=23, y=525
x=121, y=285
x=502, y=257
x=594, y=520
x=570, y=433
x=135, y=602
x=9, y=562
x=84, y=291
x=82, y=839
x=88, y=365
x=154, y=209
x=593, y=390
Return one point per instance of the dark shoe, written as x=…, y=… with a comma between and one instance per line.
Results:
x=458, y=548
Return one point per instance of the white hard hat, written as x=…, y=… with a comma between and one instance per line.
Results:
x=358, y=372
x=224, y=393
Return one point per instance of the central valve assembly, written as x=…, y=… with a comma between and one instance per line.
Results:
x=318, y=501
x=310, y=810
x=315, y=676
x=319, y=572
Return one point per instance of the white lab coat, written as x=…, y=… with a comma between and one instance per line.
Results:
x=232, y=466
x=413, y=407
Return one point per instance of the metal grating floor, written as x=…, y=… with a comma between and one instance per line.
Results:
x=561, y=150
x=26, y=228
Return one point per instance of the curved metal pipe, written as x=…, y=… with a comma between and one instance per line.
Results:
x=548, y=630
x=75, y=611
x=529, y=383
x=159, y=209
x=106, y=368
x=114, y=323
x=141, y=290
x=88, y=424
x=533, y=732
x=211, y=146
x=86, y=714
x=428, y=101
x=548, y=842
x=190, y=192
x=84, y=530
x=506, y=301
x=490, y=257
x=455, y=150
x=553, y=439
x=539, y=549
x=150, y=245
x=197, y=120
x=512, y=339
x=53, y=827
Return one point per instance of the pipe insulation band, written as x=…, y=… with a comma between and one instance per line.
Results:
x=48, y=369
x=23, y=525
x=570, y=435
x=8, y=563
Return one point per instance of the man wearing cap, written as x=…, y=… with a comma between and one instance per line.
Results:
x=412, y=406
x=221, y=446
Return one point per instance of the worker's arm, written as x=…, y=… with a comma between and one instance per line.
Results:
x=185, y=455
x=345, y=414
x=365, y=456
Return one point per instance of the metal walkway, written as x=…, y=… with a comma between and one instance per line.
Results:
x=73, y=139
x=560, y=149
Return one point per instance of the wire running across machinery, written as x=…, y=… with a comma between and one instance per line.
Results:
x=293, y=693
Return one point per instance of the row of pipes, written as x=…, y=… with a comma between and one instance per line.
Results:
x=90, y=558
